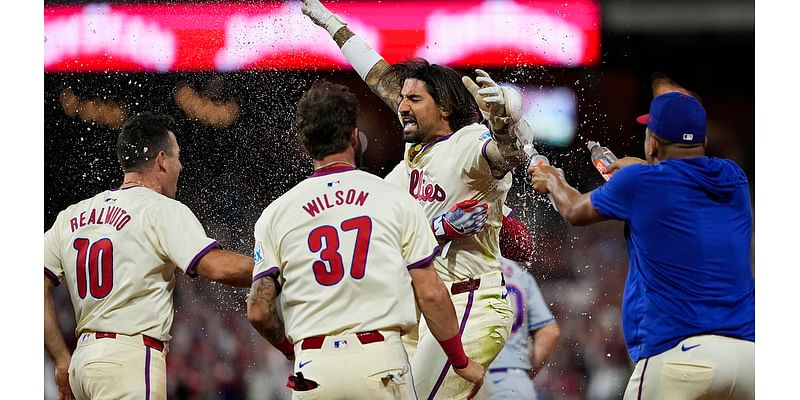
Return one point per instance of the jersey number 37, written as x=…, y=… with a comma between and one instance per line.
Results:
x=329, y=269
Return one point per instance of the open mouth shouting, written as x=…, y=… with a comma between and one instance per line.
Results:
x=409, y=123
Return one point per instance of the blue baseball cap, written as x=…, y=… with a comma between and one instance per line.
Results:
x=677, y=118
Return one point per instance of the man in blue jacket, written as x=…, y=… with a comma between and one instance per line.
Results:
x=688, y=309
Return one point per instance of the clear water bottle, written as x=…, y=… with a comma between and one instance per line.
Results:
x=602, y=157
x=534, y=158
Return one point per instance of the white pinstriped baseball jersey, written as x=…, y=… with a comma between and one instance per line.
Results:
x=118, y=252
x=342, y=242
x=449, y=170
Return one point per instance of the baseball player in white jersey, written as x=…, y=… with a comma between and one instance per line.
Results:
x=449, y=158
x=348, y=253
x=534, y=336
x=117, y=252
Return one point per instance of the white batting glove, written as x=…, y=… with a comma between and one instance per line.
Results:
x=465, y=218
x=499, y=105
x=321, y=16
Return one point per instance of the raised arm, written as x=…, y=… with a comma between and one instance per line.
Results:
x=54, y=343
x=226, y=267
x=364, y=59
x=435, y=304
x=502, y=107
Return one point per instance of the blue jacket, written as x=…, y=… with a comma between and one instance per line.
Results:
x=689, y=232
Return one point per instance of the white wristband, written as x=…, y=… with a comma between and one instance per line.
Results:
x=360, y=55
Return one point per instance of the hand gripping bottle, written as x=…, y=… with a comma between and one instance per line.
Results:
x=602, y=157
x=534, y=158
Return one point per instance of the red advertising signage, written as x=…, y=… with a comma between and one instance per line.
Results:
x=233, y=37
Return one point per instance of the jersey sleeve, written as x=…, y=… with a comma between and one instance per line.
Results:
x=470, y=152
x=265, y=254
x=398, y=176
x=419, y=244
x=539, y=314
x=617, y=196
x=53, y=267
x=181, y=236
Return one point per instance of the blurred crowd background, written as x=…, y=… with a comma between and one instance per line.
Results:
x=236, y=164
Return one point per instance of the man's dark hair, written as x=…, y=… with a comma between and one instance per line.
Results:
x=326, y=117
x=142, y=137
x=443, y=84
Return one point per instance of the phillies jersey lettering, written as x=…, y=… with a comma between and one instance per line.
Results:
x=423, y=190
x=446, y=171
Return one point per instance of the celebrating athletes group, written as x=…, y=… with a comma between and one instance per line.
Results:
x=396, y=288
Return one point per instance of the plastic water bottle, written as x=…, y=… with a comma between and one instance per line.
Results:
x=602, y=157
x=534, y=158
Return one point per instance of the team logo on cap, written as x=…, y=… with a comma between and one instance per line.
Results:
x=688, y=136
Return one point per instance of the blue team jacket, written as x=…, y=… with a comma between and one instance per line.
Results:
x=689, y=232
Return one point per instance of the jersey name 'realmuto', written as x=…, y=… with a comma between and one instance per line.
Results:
x=115, y=216
x=118, y=252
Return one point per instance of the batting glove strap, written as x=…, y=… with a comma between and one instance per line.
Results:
x=443, y=230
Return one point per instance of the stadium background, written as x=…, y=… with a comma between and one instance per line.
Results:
x=231, y=173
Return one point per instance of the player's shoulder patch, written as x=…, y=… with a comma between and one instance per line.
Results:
x=258, y=253
x=485, y=136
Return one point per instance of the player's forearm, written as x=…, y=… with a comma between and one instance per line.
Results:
x=441, y=317
x=226, y=267
x=506, y=150
x=545, y=341
x=53, y=339
x=262, y=311
x=270, y=328
x=240, y=271
x=435, y=304
x=574, y=207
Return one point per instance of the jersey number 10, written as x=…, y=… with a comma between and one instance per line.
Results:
x=329, y=269
x=99, y=263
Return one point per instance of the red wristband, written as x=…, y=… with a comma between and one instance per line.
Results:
x=455, y=351
x=286, y=348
